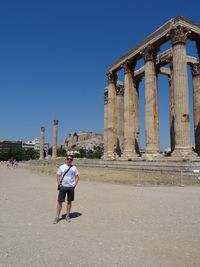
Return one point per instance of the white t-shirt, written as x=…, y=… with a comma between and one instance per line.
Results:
x=68, y=179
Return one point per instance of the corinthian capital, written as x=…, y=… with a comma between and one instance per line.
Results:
x=111, y=77
x=149, y=53
x=128, y=66
x=178, y=35
x=195, y=68
x=55, y=122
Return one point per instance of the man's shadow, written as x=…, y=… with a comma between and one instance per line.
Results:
x=73, y=215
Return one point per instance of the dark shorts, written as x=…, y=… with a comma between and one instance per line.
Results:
x=62, y=194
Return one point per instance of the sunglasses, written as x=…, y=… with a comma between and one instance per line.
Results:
x=69, y=159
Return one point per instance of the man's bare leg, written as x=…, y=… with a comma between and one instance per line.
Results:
x=59, y=208
x=68, y=210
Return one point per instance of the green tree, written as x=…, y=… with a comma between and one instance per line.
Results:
x=61, y=152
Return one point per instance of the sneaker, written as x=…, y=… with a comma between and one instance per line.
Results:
x=56, y=220
x=67, y=218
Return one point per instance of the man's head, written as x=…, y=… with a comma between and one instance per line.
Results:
x=69, y=159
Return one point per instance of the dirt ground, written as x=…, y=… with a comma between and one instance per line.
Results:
x=112, y=224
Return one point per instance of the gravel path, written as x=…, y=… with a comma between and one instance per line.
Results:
x=112, y=225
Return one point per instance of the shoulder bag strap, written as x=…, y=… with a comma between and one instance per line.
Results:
x=65, y=174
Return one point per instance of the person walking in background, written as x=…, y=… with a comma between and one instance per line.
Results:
x=15, y=164
x=67, y=179
x=9, y=163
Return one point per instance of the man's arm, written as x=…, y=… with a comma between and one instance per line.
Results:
x=76, y=178
x=58, y=179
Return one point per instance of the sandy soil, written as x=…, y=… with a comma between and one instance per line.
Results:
x=112, y=225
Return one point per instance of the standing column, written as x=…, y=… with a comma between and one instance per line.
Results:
x=105, y=136
x=119, y=118
x=129, y=112
x=55, y=138
x=136, y=116
x=111, y=132
x=151, y=102
x=181, y=96
x=171, y=108
x=42, y=131
x=196, y=102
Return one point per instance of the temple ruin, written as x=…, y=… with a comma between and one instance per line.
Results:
x=121, y=100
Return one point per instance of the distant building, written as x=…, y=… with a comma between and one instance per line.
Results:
x=35, y=144
x=6, y=146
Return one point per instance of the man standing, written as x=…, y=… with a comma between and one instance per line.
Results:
x=67, y=179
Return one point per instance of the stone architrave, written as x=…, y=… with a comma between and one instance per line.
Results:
x=151, y=102
x=129, y=112
x=42, y=138
x=181, y=95
x=119, y=119
x=55, y=138
x=195, y=68
x=111, y=130
x=105, y=137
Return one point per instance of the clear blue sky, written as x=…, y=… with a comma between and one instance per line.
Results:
x=54, y=56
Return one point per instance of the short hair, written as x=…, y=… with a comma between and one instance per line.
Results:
x=70, y=156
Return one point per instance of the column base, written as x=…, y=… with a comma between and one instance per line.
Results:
x=185, y=153
x=152, y=156
x=109, y=156
x=128, y=155
x=152, y=149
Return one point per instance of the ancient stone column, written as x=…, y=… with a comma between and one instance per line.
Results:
x=111, y=130
x=171, y=109
x=136, y=116
x=151, y=102
x=55, y=138
x=42, y=131
x=195, y=68
x=129, y=112
x=181, y=96
x=105, y=137
x=119, y=118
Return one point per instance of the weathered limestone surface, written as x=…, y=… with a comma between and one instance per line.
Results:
x=111, y=130
x=105, y=123
x=55, y=139
x=119, y=118
x=171, y=95
x=151, y=102
x=181, y=94
x=196, y=100
x=129, y=114
x=42, y=139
